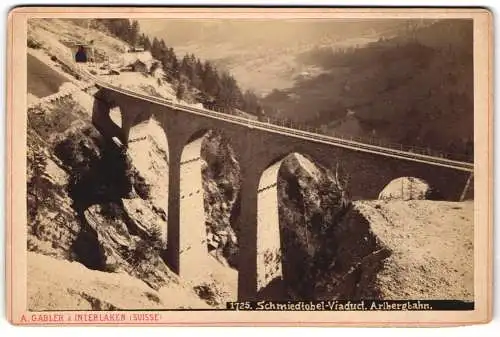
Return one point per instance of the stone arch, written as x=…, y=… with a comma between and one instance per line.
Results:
x=133, y=121
x=115, y=114
x=408, y=188
x=115, y=120
x=269, y=256
x=148, y=149
x=197, y=209
x=271, y=273
x=107, y=118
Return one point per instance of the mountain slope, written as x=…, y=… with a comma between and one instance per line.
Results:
x=406, y=81
x=415, y=89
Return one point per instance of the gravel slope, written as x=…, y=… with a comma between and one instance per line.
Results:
x=432, y=244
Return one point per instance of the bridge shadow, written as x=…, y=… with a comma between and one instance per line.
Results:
x=221, y=183
x=274, y=291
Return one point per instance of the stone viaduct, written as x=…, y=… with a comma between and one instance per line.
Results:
x=260, y=149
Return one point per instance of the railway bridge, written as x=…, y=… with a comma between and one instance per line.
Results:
x=260, y=149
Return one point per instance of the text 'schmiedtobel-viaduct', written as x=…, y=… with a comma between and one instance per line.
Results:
x=260, y=148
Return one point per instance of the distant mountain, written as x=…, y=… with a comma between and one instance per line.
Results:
x=405, y=81
x=261, y=54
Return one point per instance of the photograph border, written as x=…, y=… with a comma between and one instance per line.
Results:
x=483, y=164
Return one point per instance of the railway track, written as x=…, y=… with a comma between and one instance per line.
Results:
x=302, y=134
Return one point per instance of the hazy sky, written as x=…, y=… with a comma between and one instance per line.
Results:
x=181, y=32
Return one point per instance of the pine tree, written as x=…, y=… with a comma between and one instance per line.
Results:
x=156, y=49
x=133, y=33
x=143, y=40
x=146, y=42
x=229, y=95
x=250, y=102
x=185, y=67
x=210, y=80
x=181, y=90
x=163, y=46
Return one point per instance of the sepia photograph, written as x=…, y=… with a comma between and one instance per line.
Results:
x=226, y=162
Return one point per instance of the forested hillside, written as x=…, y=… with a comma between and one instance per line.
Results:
x=415, y=88
x=190, y=75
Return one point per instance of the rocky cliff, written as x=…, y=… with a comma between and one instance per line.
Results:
x=86, y=201
x=329, y=248
x=221, y=185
